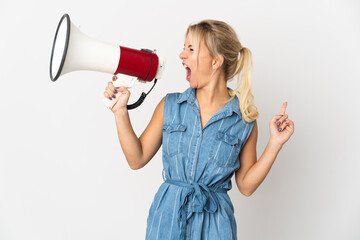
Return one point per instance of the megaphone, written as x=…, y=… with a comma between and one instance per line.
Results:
x=72, y=50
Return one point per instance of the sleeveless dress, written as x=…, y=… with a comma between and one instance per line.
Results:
x=198, y=163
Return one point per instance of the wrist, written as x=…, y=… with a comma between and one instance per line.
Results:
x=274, y=145
x=121, y=112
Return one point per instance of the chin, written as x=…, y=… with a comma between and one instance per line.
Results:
x=192, y=85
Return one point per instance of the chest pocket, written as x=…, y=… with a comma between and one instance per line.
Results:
x=173, y=138
x=225, y=150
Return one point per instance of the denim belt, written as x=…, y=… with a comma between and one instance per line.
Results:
x=204, y=199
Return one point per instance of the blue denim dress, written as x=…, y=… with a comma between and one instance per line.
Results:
x=192, y=202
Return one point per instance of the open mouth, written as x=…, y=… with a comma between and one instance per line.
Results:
x=188, y=72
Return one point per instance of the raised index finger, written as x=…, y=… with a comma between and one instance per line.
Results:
x=282, y=111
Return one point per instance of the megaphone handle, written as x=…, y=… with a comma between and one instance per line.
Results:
x=110, y=103
x=121, y=82
x=142, y=98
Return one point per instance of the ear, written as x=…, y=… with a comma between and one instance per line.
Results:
x=217, y=62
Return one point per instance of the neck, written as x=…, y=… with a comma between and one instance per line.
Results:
x=213, y=94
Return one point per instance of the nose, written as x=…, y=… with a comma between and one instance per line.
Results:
x=182, y=55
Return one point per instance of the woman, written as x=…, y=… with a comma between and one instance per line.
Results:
x=207, y=134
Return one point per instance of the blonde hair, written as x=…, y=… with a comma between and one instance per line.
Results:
x=221, y=39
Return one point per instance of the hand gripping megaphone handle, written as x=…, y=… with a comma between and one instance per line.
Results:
x=122, y=81
x=126, y=81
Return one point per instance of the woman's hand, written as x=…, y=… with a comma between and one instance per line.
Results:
x=122, y=94
x=281, y=127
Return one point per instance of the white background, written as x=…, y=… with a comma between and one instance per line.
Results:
x=62, y=171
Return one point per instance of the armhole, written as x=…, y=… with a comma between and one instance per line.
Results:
x=169, y=107
x=248, y=130
x=165, y=109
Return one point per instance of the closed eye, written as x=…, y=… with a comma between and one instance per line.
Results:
x=189, y=46
x=190, y=49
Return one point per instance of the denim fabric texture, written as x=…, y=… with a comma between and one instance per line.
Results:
x=198, y=164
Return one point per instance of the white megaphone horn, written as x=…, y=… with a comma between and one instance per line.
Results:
x=72, y=51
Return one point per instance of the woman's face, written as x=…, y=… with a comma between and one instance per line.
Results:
x=199, y=76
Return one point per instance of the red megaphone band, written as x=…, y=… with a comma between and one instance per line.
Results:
x=140, y=64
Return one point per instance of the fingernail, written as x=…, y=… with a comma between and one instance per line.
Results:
x=280, y=129
x=113, y=96
x=115, y=91
x=110, y=98
x=117, y=87
x=277, y=123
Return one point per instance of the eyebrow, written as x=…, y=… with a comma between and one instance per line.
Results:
x=188, y=46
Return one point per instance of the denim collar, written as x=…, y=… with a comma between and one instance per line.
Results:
x=189, y=96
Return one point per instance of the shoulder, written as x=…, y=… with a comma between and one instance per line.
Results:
x=173, y=96
x=165, y=103
x=250, y=132
x=159, y=110
x=176, y=97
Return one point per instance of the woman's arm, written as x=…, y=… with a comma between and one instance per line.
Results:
x=252, y=172
x=139, y=151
